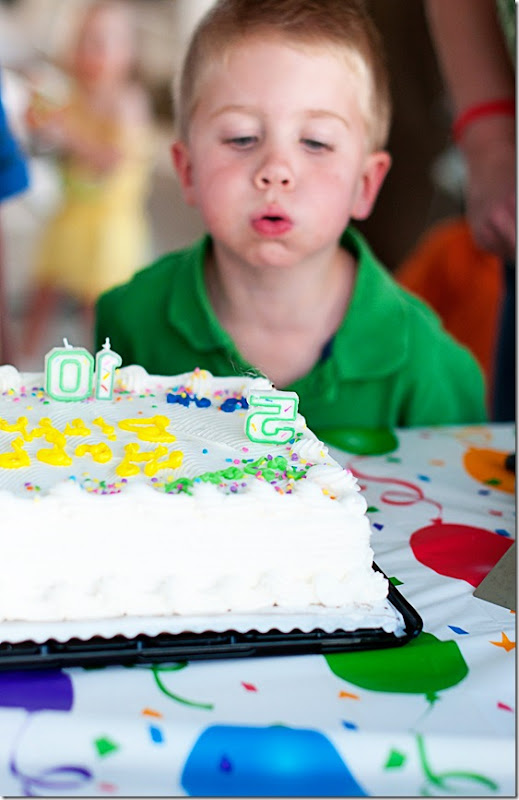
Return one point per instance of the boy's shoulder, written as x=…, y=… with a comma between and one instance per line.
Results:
x=387, y=329
x=423, y=325
x=377, y=289
x=419, y=311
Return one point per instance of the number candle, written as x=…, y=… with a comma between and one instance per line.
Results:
x=106, y=363
x=268, y=411
x=69, y=373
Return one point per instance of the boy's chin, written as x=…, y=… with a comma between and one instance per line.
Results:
x=272, y=255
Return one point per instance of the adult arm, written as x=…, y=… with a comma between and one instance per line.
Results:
x=477, y=68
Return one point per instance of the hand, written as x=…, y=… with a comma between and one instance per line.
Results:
x=47, y=122
x=55, y=128
x=491, y=193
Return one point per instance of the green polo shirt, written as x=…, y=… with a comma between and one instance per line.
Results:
x=389, y=364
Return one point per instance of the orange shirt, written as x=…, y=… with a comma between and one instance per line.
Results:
x=462, y=283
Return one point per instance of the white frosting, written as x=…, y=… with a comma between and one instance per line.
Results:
x=201, y=383
x=291, y=531
x=131, y=379
x=10, y=378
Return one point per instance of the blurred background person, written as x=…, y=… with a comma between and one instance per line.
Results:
x=464, y=285
x=13, y=179
x=476, y=45
x=102, y=138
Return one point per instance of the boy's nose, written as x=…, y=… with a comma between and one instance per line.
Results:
x=273, y=172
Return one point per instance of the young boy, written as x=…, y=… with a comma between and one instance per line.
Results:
x=283, y=114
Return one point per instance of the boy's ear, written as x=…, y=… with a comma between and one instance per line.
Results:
x=375, y=170
x=181, y=158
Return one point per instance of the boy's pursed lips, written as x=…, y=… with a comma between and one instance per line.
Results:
x=272, y=221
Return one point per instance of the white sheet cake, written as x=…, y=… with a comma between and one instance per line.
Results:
x=156, y=502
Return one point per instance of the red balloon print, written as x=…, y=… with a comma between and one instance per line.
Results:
x=451, y=549
x=459, y=551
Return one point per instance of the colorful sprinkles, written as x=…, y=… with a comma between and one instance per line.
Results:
x=272, y=469
x=96, y=486
x=31, y=487
x=238, y=474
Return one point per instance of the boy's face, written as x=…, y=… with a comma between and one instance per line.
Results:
x=277, y=159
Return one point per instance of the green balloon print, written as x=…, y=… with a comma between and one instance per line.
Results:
x=424, y=665
x=360, y=441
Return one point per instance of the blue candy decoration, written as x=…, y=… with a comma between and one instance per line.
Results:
x=185, y=399
x=232, y=403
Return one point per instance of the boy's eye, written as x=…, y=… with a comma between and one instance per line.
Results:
x=315, y=145
x=241, y=142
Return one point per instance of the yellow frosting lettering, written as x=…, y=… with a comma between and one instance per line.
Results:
x=133, y=457
x=77, y=428
x=55, y=455
x=17, y=458
x=45, y=429
x=173, y=460
x=100, y=452
x=20, y=426
x=151, y=429
x=106, y=429
x=129, y=464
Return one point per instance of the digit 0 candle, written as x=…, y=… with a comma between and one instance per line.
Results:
x=69, y=373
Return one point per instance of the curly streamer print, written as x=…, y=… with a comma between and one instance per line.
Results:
x=59, y=778
x=408, y=495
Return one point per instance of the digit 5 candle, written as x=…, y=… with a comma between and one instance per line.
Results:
x=69, y=373
x=268, y=415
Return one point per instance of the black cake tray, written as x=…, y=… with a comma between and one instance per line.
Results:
x=143, y=649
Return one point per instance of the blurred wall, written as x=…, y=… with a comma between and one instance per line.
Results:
x=411, y=199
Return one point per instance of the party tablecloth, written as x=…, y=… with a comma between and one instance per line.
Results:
x=433, y=717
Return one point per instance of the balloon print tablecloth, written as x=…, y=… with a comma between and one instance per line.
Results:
x=435, y=717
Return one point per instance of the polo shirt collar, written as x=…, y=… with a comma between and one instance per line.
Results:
x=371, y=342
x=373, y=338
x=189, y=309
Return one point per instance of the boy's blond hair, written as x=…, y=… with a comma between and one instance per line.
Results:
x=339, y=24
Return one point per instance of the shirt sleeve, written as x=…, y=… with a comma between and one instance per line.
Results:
x=446, y=385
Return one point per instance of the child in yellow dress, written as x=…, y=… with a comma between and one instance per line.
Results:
x=99, y=235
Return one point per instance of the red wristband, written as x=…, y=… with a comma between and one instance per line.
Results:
x=504, y=106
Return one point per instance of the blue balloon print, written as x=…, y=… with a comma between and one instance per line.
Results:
x=275, y=761
x=37, y=690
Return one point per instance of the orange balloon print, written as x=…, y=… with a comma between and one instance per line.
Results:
x=488, y=467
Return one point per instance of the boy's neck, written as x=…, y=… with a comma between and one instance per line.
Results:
x=279, y=319
x=268, y=292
